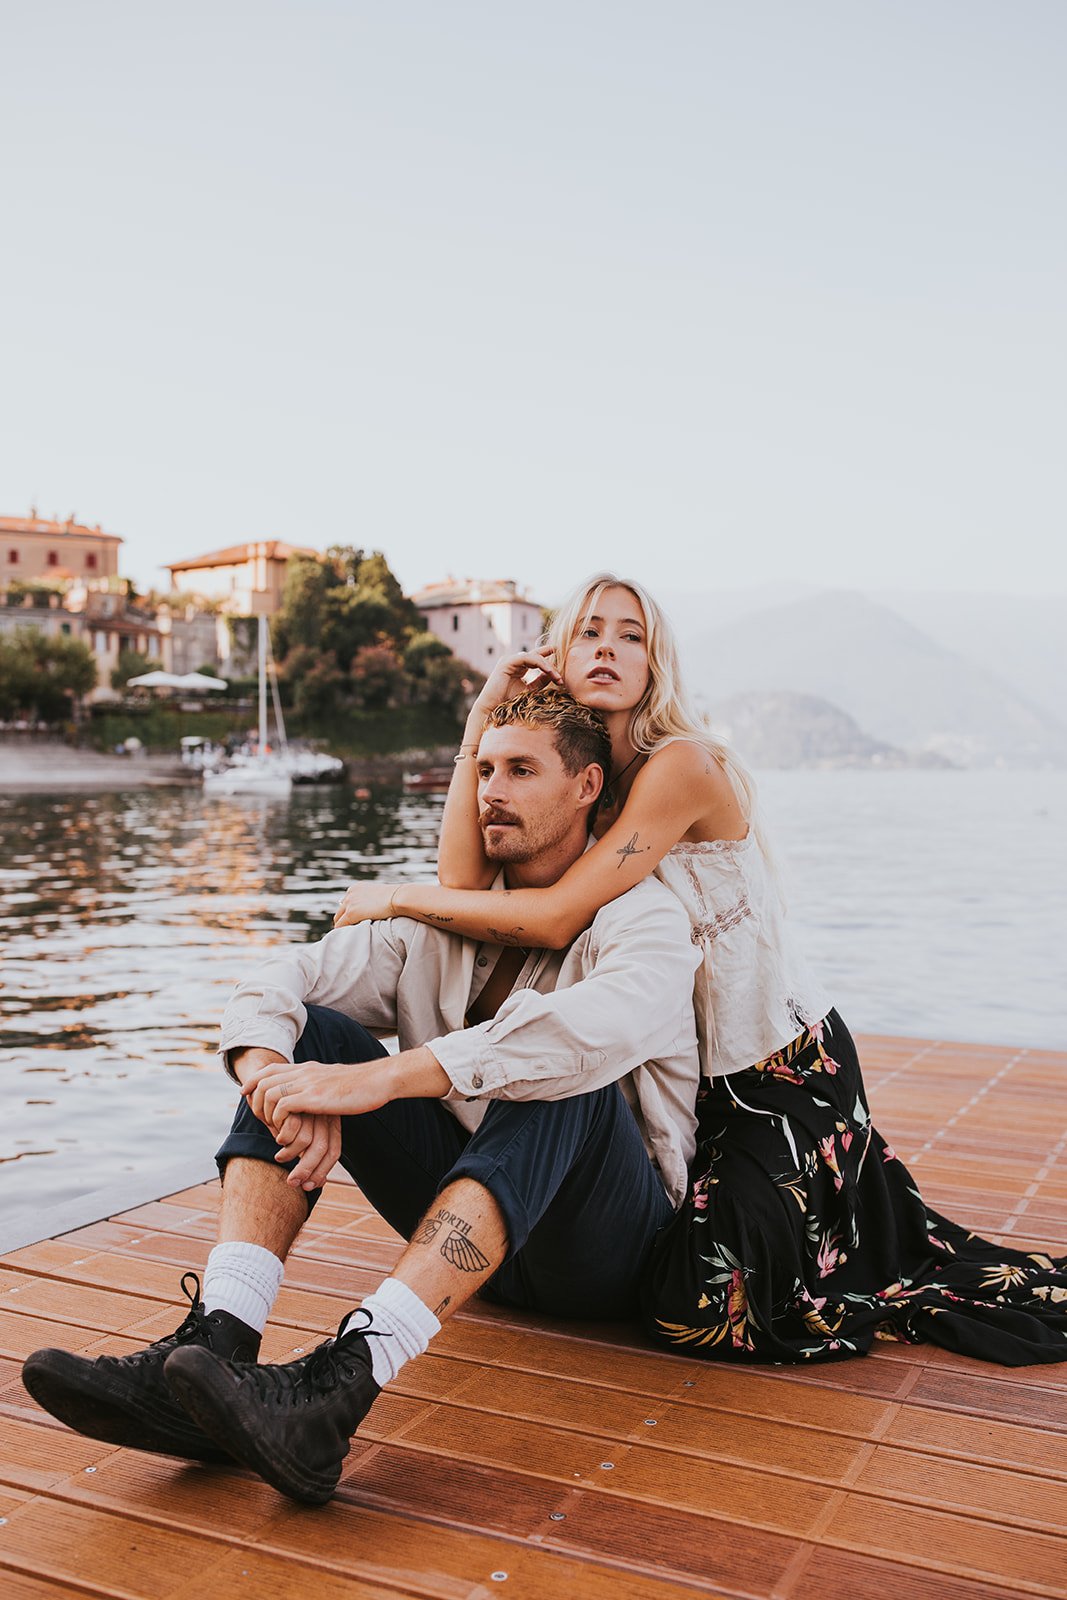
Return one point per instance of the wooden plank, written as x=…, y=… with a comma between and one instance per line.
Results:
x=572, y=1457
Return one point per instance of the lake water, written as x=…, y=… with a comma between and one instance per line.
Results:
x=932, y=903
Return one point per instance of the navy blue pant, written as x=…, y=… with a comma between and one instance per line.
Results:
x=582, y=1202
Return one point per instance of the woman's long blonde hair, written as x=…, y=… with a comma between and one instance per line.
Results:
x=664, y=711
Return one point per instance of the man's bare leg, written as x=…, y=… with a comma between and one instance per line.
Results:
x=260, y=1217
x=459, y=1244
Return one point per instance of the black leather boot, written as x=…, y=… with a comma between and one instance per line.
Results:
x=124, y=1399
x=292, y=1424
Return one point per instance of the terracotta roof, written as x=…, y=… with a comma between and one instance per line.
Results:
x=472, y=591
x=235, y=554
x=55, y=530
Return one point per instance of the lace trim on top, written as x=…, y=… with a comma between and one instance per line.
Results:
x=710, y=847
x=721, y=922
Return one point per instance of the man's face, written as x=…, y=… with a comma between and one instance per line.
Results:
x=526, y=797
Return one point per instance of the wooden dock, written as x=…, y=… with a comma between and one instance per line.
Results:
x=527, y=1458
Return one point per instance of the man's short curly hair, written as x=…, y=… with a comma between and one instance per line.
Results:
x=578, y=731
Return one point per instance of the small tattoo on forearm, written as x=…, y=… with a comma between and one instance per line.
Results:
x=630, y=849
x=512, y=936
x=436, y=917
x=460, y=1252
x=426, y=1230
x=445, y=1303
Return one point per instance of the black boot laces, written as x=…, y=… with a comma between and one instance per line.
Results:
x=335, y=1362
x=195, y=1327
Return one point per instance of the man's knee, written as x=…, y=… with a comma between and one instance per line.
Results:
x=331, y=1036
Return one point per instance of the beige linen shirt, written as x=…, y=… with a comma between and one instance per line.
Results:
x=616, y=1006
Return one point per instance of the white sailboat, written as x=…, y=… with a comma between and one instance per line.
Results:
x=266, y=772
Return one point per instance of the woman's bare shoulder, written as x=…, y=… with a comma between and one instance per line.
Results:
x=689, y=762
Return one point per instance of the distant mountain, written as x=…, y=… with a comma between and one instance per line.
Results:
x=900, y=685
x=1020, y=638
x=782, y=729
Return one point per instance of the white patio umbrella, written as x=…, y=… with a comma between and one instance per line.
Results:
x=156, y=680
x=202, y=680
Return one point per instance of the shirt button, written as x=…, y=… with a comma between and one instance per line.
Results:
x=483, y=961
x=476, y=1081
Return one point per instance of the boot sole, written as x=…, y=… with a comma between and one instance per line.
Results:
x=207, y=1392
x=57, y=1380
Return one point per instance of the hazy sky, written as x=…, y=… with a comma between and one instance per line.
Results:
x=716, y=293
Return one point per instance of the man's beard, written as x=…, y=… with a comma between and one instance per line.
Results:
x=512, y=843
x=523, y=841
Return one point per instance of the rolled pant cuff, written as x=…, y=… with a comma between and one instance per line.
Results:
x=487, y=1171
x=251, y=1146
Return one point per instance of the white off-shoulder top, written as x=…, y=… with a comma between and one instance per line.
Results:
x=753, y=992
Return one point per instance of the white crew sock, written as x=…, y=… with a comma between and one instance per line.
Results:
x=244, y=1280
x=405, y=1323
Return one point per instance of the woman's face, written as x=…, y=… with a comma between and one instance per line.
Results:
x=607, y=664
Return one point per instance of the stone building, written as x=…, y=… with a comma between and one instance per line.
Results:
x=480, y=620
x=34, y=549
x=243, y=580
x=246, y=579
x=102, y=615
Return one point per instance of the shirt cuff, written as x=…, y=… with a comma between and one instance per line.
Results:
x=468, y=1060
x=258, y=1036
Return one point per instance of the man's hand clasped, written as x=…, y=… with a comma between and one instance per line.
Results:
x=302, y=1103
x=279, y=1089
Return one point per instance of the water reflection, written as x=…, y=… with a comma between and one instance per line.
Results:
x=127, y=920
x=930, y=903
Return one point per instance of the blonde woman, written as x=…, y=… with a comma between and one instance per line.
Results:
x=802, y=1237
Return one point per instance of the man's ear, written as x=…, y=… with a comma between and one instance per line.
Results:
x=591, y=781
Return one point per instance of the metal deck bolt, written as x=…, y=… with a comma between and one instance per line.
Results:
x=557, y=1516
x=607, y=1465
x=499, y=1577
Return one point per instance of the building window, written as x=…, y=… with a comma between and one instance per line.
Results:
x=488, y=649
x=64, y=627
x=53, y=559
x=90, y=561
x=12, y=558
x=455, y=622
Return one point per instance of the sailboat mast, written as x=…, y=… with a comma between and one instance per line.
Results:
x=262, y=685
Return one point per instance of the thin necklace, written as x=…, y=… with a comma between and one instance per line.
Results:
x=610, y=787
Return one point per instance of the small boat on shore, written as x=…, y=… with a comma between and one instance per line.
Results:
x=266, y=774
x=263, y=771
x=260, y=769
x=433, y=780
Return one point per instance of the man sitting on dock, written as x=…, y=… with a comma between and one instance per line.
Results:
x=529, y=1140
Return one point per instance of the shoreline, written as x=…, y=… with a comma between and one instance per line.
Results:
x=51, y=766
x=57, y=766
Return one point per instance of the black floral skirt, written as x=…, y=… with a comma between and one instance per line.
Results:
x=803, y=1238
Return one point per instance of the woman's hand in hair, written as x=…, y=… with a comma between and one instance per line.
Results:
x=530, y=669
